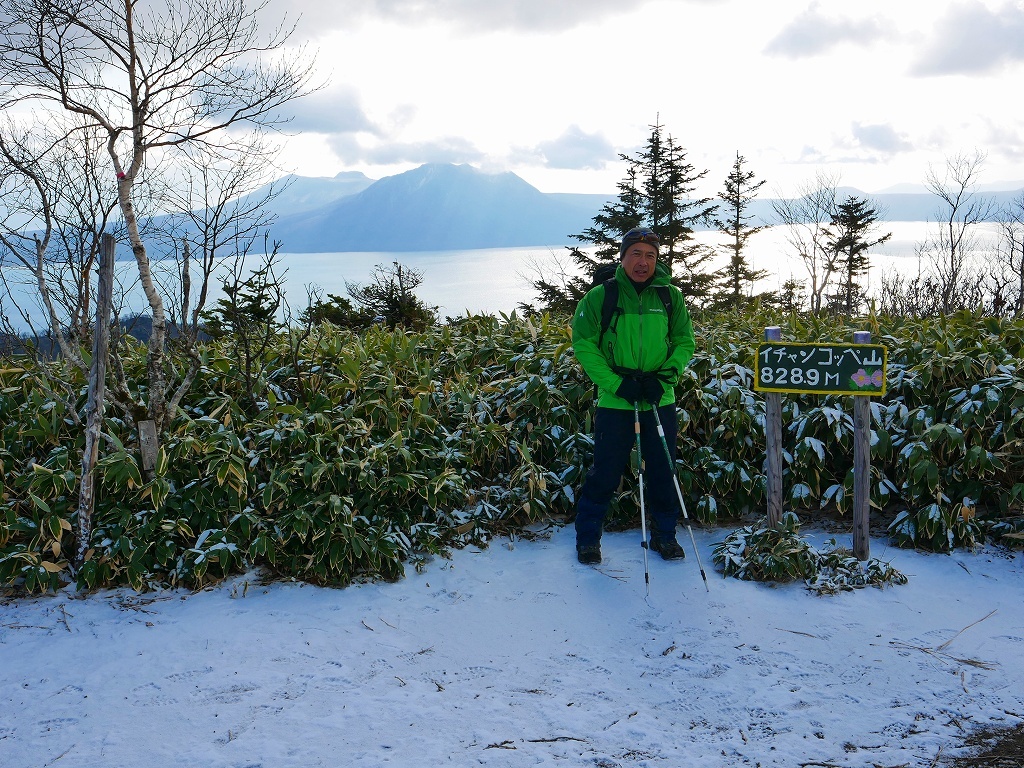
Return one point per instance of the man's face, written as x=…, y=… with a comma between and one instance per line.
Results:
x=639, y=260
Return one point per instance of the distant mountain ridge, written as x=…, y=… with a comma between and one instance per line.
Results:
x=893, y=206
x=440, y=207
x=303, y=193
x=437, y=207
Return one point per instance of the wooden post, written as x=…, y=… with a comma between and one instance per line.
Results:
x=97, y=392
x=149, y=444
x=861, y=466
x=773, y=439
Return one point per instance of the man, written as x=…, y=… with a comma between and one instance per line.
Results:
x=636, y=360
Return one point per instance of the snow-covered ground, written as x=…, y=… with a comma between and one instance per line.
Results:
x=515, y=656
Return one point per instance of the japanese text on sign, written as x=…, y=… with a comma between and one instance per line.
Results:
x=825, y=369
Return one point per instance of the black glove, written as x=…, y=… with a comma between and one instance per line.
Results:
x=653, y=388
x=630, y=390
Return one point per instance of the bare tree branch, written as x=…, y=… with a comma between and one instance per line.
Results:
x=961, y=210
x=807, y=217
x=152, y=77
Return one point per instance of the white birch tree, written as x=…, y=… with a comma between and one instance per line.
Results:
x=808, y=218
x=961, y=210
x=153, y=78
x=1011, y=221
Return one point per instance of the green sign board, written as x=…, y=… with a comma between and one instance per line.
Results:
x=820, y=369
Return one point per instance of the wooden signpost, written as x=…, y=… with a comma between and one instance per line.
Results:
x=856, y=369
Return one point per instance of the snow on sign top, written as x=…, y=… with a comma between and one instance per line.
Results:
x=820, y=369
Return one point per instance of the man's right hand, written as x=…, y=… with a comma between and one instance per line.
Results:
x=631, y=390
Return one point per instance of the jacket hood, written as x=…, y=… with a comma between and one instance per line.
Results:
x=662, y=274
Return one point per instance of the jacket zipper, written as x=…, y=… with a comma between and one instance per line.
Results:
x=640, y=334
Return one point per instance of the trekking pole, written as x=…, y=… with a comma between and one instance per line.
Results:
x=643, y=513
x=679, y=491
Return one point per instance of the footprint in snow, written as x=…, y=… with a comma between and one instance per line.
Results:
x=230, y=695
x=152, y=695
x=57, y=723
x=188, y=674
x=709, y=671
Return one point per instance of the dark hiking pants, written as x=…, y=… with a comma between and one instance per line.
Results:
x=614, y=438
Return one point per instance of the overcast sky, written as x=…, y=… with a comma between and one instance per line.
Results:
x=554, y=90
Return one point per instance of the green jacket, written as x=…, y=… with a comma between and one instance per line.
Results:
x=637, y=339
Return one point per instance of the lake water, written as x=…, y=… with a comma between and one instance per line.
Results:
x=489, y=280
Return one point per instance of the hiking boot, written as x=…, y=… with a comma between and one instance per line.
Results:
x=589, y=555
x=669, y=548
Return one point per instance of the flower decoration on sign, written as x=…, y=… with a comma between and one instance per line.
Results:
x=865, y=380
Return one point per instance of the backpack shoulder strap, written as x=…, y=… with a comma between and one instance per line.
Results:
x=609, y=306
x=666, y=299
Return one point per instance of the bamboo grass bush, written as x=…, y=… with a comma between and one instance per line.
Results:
x=358, y=454
x=760, y=552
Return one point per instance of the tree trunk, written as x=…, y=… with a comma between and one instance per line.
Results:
x=157, y=406
x=94, y=408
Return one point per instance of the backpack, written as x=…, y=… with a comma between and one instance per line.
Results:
x=605, y=275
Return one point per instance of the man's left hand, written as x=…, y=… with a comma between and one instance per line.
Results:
x=653, y=388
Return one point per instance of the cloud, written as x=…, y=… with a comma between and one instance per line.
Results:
x=574, y=150
x=865, y=144
x=810, y=155
x=1006, y=141
x=813, y=33
x=331, y=110
x=447, y=149
x=318, y=16
x=972, y=39
x=880, y=138
x=355, y=139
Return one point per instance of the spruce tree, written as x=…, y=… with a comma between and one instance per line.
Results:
x=616, y=217
x=675, y=214
x=656, y=192
x=736, y=279
x=849, y=239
